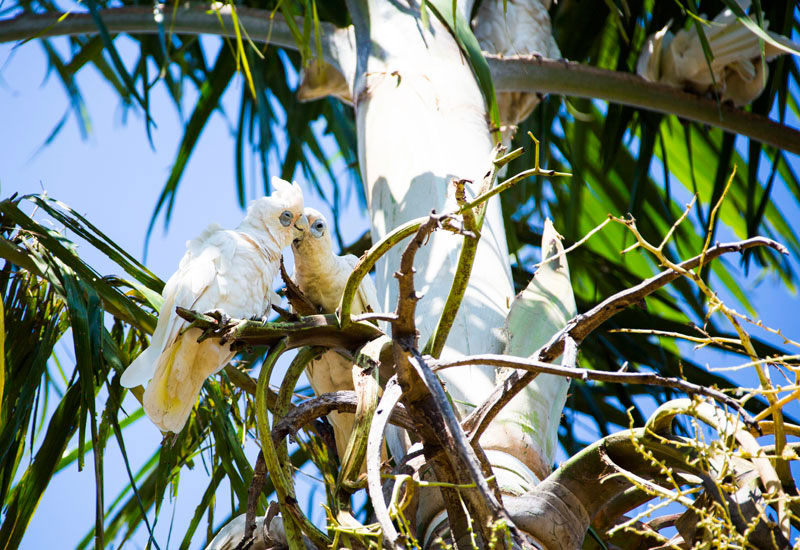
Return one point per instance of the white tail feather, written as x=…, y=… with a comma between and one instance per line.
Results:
x=141, y=370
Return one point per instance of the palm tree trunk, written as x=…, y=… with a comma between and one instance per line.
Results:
x=421, y=121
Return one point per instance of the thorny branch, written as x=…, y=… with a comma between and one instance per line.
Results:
x=427, y=403
x=584, y=324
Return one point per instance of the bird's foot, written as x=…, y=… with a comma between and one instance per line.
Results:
x=222, y=318
x=263, y=319
x=231, y=331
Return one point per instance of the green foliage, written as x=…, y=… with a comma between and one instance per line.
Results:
x=47, y=289
x=622, y=160
x=627, y=160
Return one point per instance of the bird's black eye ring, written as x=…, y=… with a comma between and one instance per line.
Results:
x=286, y=218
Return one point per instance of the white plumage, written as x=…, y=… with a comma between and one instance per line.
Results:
x=265, y=537
x=322, y=276
x=524, y=29
x=739, y=75
x=227, y=270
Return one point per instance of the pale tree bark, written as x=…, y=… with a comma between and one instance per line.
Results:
x=421, y=121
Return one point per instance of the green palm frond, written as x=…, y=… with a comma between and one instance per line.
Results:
x=47, y=289
x=623, y=160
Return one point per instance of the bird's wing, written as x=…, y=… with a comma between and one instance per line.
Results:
x=193, y=286
x=196, y=283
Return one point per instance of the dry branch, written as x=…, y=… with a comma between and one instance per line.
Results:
x=437, y=425
x=539, y=367
x=341, y=401
x=584, y=324
x=386, y=407
x=299, y=301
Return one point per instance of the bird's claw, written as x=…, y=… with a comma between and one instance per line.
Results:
x=223, y=321
x=222, y=318
x=231, y=331
x=262, y=319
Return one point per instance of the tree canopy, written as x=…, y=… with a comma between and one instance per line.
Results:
x=627, y=151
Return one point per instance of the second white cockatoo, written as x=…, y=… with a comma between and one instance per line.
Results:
x=521, y=29
x=321, y=275
x=228, y=270
x=736, y=73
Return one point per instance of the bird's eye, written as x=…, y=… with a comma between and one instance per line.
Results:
x=286, y=218
x=318, y=228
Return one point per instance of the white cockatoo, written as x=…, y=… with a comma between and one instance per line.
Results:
x=523, y=29
x=223, y=269
x=322, y=276
x=739, y=74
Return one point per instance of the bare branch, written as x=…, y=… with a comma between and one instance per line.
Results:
x=299, y=301
x=456, y=440
x=341, y=401
x=539, y=367
x=257, y=483
x=429, y=407
x=367, y=262
x=584, y=324
x=386, y=408
x=404, y=327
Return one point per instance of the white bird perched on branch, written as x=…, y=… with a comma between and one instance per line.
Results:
x=227, y=270
x=737, y=72
x=322, y=275
x=515, y=28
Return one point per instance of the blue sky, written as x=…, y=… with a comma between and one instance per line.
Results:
x=116, y=165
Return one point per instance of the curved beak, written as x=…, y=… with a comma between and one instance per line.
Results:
x=301, y=225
